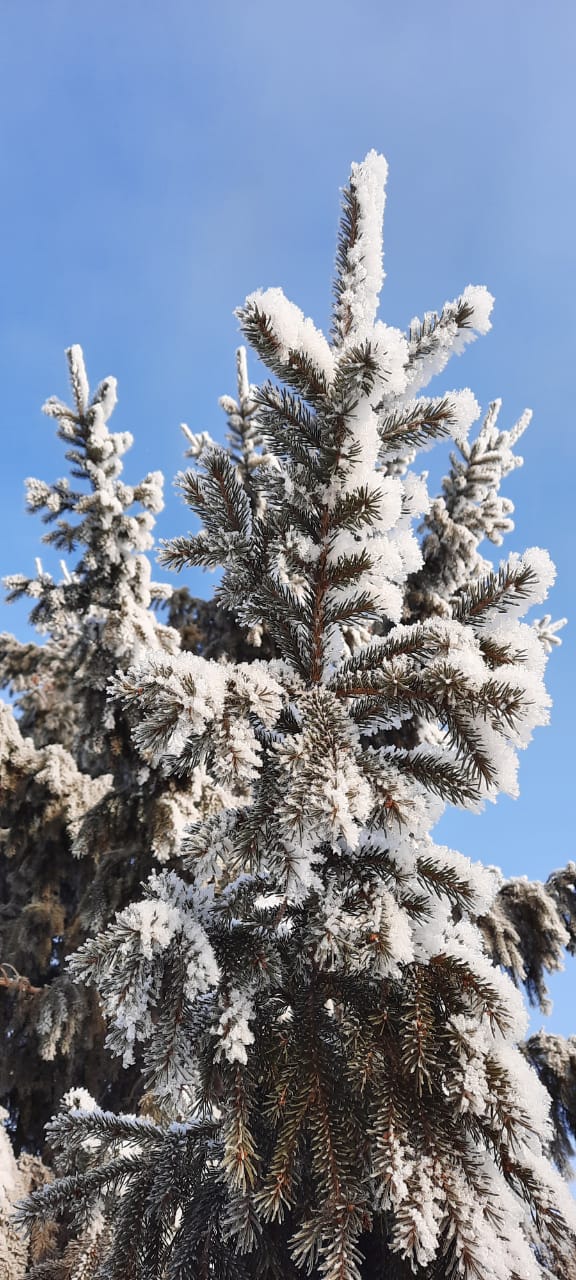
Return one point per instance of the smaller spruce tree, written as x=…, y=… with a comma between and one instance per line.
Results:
x=83, y=818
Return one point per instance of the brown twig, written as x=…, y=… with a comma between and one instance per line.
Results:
x=14, y=981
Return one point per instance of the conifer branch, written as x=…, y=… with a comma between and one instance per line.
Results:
x=495, y=592
x=416, y=426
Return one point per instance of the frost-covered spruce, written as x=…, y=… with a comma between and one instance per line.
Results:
x=332, y=1052
x=82, y=817
x=98, y=616
x=530, y=924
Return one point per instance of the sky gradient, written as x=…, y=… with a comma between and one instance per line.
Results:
x=162, y=160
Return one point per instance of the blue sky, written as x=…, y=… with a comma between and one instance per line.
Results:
x=161, y=160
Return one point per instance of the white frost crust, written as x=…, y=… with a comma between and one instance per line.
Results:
x=482, y=302
x=233, y=1027
x=527, y=1092
x=450, y=339
x=293, y=331
x=79, y=1099
x=365, y=275
x=464, y=943
x=390, y=349
x=78, y=371
x=545, y=572
x=466, y=412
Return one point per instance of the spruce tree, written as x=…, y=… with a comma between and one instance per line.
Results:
x=83, y=819
x=530, y=924
x=332, y=1054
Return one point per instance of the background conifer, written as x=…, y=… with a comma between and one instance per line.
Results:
x=82, y=818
